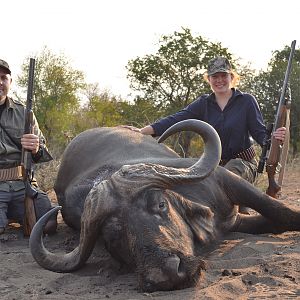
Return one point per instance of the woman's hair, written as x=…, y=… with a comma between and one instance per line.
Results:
x=234, y=75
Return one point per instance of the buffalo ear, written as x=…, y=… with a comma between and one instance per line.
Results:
x=198, y=217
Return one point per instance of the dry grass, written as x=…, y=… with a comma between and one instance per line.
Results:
x=46, y=174
x=294, y=164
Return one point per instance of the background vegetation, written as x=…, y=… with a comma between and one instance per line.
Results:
x=164, y=82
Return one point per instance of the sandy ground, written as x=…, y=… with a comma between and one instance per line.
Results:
x=242, y=266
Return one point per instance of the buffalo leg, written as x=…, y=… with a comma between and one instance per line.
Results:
x=257, y=225
x=274, y=212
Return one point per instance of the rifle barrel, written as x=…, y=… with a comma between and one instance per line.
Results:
x=285, y=85
x=30, y=78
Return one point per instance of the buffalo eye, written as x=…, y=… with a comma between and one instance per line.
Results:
x=155, y=202
x=162, y=205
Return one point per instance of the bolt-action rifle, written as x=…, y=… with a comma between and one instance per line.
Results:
x=274, y=154
x=26, y=162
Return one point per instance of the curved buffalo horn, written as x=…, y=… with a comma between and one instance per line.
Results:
x=131, y=179
x=212, y=146
x=98, y=205
x=76, y=258
x=46, y=259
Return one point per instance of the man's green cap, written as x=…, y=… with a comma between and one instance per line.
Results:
x=4, y=65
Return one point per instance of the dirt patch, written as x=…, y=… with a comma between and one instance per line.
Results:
x=243, y=266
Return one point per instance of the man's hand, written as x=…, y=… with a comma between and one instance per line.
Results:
x=30, y=142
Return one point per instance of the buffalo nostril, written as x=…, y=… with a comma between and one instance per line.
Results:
x=168, y=275
x=172, y=262
x=173, y=266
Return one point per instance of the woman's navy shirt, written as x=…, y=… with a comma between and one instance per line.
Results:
x=240, y=120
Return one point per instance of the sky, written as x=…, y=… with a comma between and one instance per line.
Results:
x=100, y=37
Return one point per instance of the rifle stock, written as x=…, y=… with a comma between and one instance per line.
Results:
x=285, y=150
x=30, y=192
x=273, y=187
x=29, y=209
x=274, y=157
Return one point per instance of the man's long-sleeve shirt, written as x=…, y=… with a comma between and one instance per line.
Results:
x=240, y=120
x=12, y=120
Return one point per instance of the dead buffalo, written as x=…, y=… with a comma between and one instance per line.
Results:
x=155, y=211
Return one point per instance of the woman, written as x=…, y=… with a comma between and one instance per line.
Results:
x=235, y=116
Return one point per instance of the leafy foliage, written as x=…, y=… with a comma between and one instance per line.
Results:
x=267, y=88
x=173, y=77
x=56, y=94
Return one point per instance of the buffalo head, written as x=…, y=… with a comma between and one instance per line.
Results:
x=143, y=222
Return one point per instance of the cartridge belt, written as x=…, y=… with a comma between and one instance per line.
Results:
x=247, y=155
x=11, y=173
